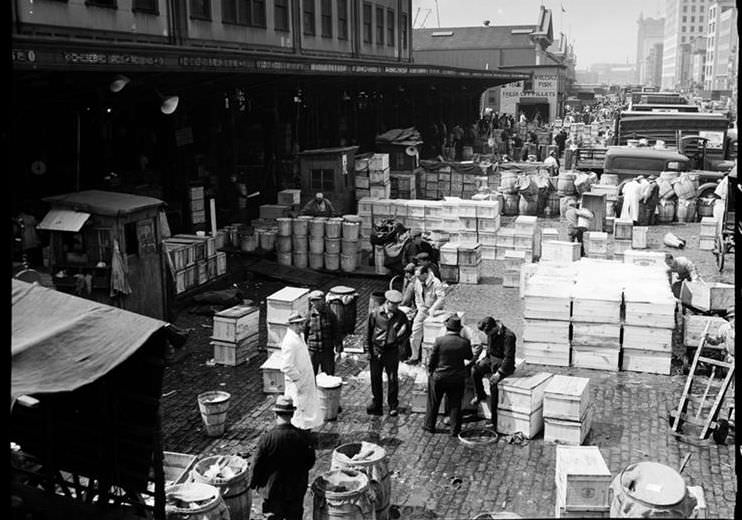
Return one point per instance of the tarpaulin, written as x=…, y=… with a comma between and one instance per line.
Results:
x=61, y=342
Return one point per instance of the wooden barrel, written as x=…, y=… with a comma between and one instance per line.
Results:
x=195, y=500
x=248, y=242
x=666, y=211
x=300, y=243
x=316, y=260
x=332, y=246
x=552, y=202
x=510, y=207
x=527, y=207
x=234, y=490
x=686, y=210
x=342, y=302
x=284, y=258
x=317, y=227
x=332, y=261
x=508, y=181
x=283, y=244
x=316, y=245
x=213, y=406
x=651, y=490
x=333, y=228
x=376, y=468
x=300, y=225
x=349, y=247
x=705, y=207
x=342, y=494
x=610, y=179
x=299, y=259
x=351, y=230
x=284, y=226
x=566, y=183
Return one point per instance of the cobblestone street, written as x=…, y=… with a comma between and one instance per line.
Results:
x=435, y=476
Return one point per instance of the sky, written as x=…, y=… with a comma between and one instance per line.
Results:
x=602, y=31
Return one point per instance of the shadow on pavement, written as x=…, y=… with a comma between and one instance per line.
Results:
x=410, y=513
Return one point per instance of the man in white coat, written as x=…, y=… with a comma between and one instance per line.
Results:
x=300, y=384
x=631, y=196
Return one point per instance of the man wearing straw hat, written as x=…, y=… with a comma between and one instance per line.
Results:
x=300, y=384
x=281, y=464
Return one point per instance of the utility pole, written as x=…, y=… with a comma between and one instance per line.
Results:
x=437, y=14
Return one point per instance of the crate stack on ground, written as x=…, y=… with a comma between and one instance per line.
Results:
x=596, y=244
x=522, y=236
x=284, y=240
x=403, y=185
x=433, y=327
x=365, y=213
x=449, y=262
x=378, y=176
x=488, y=223
x=466, y=211
x=568, y=410
x=639, y=237
x=470, y=262
x=582, y=481
x=235, y=335
x=362, y=186
x=514, y=261
x=278, y=307
x=520, y=403
x=181, y=259
x=596, y=316
x=623, y=235
x=547, y=293
x=709, y=226
x=200, y=261
x=546, y=234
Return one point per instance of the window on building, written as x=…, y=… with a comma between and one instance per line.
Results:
x=367, y=27
x=685, y=8
x=201, y=9
x=244, y=12
x=403, y=23
x=308, y=19
x=693, y=8
x=281, y=15
x=390, y=28
x=146, y=6
x=326, y=18
x=342, y=19
x=682, y=39
x=101, y=3
x=685, y=19
x=379, y=26
x=323, y=180
x=682, y=29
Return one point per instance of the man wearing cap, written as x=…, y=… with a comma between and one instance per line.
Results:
x=650, y=196
x=681, y=266
x=415, y=245
x=281, y=464
x=429, y=298
x=319, y=206
x=387, y=331
x=447, y=375
x=425, y=260
x=300, y=384
x=322, y=334
x=499, y=361
x=725, y=336
x=575, y=232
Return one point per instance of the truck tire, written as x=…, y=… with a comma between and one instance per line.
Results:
x=706, y=189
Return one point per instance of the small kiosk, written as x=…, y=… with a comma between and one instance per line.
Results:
x=106, y=246
x=330, y=171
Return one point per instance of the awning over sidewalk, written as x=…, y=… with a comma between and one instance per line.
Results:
x=64, y=220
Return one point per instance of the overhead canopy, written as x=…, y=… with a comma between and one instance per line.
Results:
x=64, y=220
x=104, y=202
x=61, y=342
x=532, y=100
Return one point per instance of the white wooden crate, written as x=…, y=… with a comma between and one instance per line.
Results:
x=509, y=422
x=540, y=353
x=693, y=326
x=597, y=358
x=289, y=197
x=273, y=378
x=567, y=397
x=649, y=361
x=276, y=332
x=469, y=274
x=596, y=334
x=558, y=251
x=633, y=256
x=378, y=161
x=281, y=304
x=582, y=477
x=647, y=338
x=572, y=433
x=449, y=253
x=524, y=394
x=236, y=323
x=545, y=331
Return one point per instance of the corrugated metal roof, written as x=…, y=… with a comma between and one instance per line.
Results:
x=491, y=37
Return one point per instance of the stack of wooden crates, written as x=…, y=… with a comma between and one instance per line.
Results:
x=403, y=185
x=514, y=261
x=194, y=260
x=568, y=410
x=582, y=481
x=235, y=335
x=520, y=402
x=378, y=176
x=198, y=207
x=596, y=244
x=623, y=234
x=523, y=236
x=709, y=227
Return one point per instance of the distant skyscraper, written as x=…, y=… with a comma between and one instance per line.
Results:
x=722, y=41
x=650, y=31
x=685, y=20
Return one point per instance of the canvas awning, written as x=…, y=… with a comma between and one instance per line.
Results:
x=61, y=342
x=64, y=220
x=534, y=101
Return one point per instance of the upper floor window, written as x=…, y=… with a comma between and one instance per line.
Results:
x=148, y=6
x=685, y=8
x=281, y=15
x=404, y=30
x=379, y=26
x=245, y=12
x=201, y=9
x=685, y=19
x=308, y=19
x=326, y=18
x=390, y=28
x=367, y=27
x=342, y=19
x=102, y=3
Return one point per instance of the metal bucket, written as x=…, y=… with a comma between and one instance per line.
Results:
x=284, y=226
x=650, y=490
x=212, y=506
x=213, y=406
x=342, y=494
x=375, y=467
x=332, y=261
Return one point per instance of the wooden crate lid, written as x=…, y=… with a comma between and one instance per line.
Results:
x=451, y=247
x=273, y=362
x=288, y=294
x=527, y=382
x=469, y=246
x=581, y=460
x=518, y=255
x=238, y=311
x=567, y=385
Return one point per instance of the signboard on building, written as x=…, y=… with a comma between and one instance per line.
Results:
x=545, y=86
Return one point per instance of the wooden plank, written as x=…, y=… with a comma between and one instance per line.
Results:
x=595, y=357
x=595, y=203
x=647, y=361
x=606, y=335
x=647, y=338
x=545, y=331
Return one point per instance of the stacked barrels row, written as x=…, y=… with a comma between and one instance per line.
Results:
x=319, y=242
x=679, y=199
x=251, y=239
x=522, y=196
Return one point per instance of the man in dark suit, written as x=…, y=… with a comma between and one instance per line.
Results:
x=499, y=361
x=281, y=465
x=447, y=375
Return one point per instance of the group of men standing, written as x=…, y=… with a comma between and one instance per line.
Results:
x=640, y=197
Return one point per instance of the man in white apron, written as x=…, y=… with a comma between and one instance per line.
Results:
x=631, y=194
x=300, y=384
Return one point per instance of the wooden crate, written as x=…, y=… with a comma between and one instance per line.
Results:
x=649, y=361
x=597, y=358
x=236, y=323
x=180, y=281
x=378, y=161
x=620, y=246
x=622, y=229
x=433, y=326
x=525, y=223
x=511, y=278
x=639, y=237
x=514, y=259
x=505, y=238
x=659, y=314
x=380, y=192
x=693, y=326
x=543, y=353
x=571, y=433
x=707, y=296
x=464, y=237
x=567, y=397
x=545, y=331
x=488, y=209
x=468, y=223
x=632, y=256
x=274, y=210
x=449, y=273
x=510, y=422
x=606, y=335
x=709, y=225
x=486, y=238
x=233, y=354
x=647, y=338
x=547, y=307
x=594, y=310
x=378, y=177
x=582, y=478
x=469, y=274
x=558, y=251
x=363, y=183
x=289, y=197
x=489, y=252
x=211, y=267
x=468, y=209
x=365, y=206
x=449, y=253
x=524, y=394
x=469, y=254
x=221, y=263
x=706, y=243
x=273, y=379
x=191, y=276
x=203, y=271
x=276, y=332
x=281, y=304
x=561, y=511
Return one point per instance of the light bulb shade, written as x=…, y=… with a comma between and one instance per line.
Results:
x=169, y=104
x=118, y=83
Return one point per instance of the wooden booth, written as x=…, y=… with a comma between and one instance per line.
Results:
x=330, y=171
x=106, y=246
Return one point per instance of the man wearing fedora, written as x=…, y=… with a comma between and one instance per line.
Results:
x=322, y=334
x=388, y=329
x=300, y=384
x=447, y=375
x=281, y=464
x=499, y=362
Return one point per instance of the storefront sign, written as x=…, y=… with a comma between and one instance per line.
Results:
x=24, y=56
x=236, y=63
x=96, y=58
x=328, y=67
x=280, y=65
